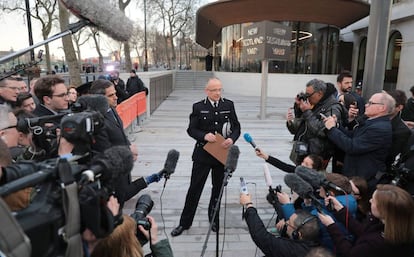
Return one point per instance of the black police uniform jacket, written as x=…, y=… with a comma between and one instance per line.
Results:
x=206, y=119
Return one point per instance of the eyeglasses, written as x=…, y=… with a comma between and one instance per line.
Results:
x=309, y=95
x=9, y=127
x=62, y=95
x=372, y=103
x=12, y=88
x=288, y=225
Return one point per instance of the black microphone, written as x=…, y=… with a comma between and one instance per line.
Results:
x=170, y=164
x=302, y=188
x=315, y=179
x=97, y=103
x=232, y=158
x=249, y=140
x=112, y=164
x=104, y=16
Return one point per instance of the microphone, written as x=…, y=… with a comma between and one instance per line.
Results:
x=112, y=164
x=170, y=164
x=232, y=158
x=315, y=179
x=96, y=103
x=302, y=188
x=101, y=14
x=243, y=186
x=249, y=140
x=267, y=176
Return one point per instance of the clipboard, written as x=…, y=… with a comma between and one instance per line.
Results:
x=217, y=150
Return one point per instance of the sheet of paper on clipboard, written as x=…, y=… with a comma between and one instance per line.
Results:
x=217, y=150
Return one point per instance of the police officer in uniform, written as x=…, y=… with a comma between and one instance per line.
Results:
x=210, y=116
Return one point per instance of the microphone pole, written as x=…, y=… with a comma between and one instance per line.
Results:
x=230, y=167
x=72, y=28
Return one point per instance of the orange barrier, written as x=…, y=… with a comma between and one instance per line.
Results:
x=131, y=108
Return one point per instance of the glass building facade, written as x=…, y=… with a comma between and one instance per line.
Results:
x=314, y=49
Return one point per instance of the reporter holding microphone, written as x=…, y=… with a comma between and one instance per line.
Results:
x=302, y=229
x=388, y=231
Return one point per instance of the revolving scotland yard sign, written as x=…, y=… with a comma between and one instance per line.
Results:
x=266, y=40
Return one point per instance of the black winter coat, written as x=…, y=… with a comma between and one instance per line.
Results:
x=273, y=246
x=205, y=119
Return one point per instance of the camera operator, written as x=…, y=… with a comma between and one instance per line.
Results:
x=52, y=94
x=89, y=238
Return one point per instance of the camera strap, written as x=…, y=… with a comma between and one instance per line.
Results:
x=71, y=208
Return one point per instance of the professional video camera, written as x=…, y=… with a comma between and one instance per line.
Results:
x=77, y=128
x=142, y=208
x=45, y=218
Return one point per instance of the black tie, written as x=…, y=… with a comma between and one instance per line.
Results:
x=215, y=104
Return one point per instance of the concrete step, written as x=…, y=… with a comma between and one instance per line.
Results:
x=192, y=79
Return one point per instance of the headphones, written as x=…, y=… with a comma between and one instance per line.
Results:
x=295, y=233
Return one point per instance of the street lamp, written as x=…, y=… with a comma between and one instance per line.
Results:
x=145, y=37
x=29, y=28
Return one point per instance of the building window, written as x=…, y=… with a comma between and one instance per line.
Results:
x=314, y=50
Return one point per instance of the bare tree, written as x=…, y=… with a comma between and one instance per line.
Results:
x=174, y=14
x=80, y=38
x=70, y=54
x=96, y=40
x=43, y=11
x=137, y=41
x=127, y=51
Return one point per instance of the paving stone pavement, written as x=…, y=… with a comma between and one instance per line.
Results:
x=166, y=129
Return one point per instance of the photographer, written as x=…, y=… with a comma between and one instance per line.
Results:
x=123, y=242
x=308, y=125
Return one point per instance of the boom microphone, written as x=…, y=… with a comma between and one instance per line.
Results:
x=170, y=164
x=112, y=164
x=97, y=103
x=249, y=140
x=302, y=188
x=315, y=179
x=103, y=15
x=232, y=158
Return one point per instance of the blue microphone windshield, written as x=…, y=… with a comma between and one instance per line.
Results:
x=248, y=138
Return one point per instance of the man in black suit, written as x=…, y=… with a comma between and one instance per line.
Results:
x=52, y=94
x=113, y=134
x=210, y=116
x=114, y=129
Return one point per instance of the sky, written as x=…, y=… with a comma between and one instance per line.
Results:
x=16, y=37
x=15, y=34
